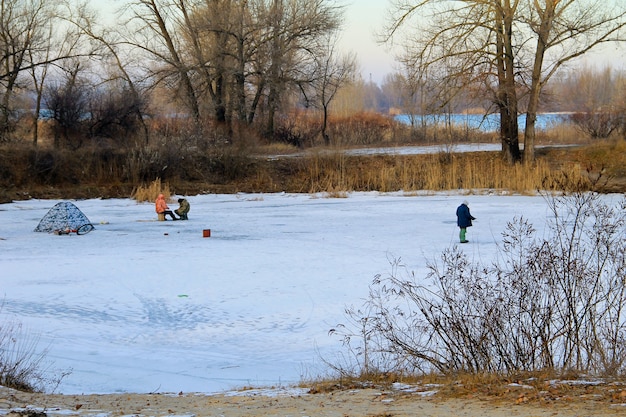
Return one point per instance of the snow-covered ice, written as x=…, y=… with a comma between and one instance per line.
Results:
x=141, y=306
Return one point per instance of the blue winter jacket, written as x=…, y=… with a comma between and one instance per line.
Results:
x=463, y=216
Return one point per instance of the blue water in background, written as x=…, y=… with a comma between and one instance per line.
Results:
x=488, y=123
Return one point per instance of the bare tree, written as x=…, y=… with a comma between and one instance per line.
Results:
x=512, y=47
x=111, y=47
x=113, y=113
x=205, y=29
x=231, y=55
x=39, y=75
x=22, y=30
x=599, y=123
x=294, y=26
x=413, y=88
x=153, y=27
x=222, y=37
x=565, y=30
x=330, y=73
x=461, y=44
x=67, y=101
x=594, y=96
x=32, y=39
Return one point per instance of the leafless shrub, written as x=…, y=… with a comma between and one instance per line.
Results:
x=23, y=365
x=597, y=124
x=360, y=129
x=144, y=163
x=115, y=113
x=67, y=102
x=290, y=136
x=552, y=303
x=365, y=353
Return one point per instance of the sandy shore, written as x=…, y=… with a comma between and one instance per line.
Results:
x=299, y=403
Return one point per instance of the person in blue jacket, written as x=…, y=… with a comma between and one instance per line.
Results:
x=464, y=220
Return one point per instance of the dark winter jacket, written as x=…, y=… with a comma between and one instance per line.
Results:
x=184, y=206
x=463, y=216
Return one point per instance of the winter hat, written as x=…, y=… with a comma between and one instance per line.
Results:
x=466, y=202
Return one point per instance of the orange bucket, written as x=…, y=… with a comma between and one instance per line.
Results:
x=206, y=233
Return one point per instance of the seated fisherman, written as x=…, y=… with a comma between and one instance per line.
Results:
x=183, y=209
x=162, y=209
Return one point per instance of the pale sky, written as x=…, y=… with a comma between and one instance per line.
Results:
x=363, y=19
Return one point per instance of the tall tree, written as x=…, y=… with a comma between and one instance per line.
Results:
x=154, y=28
x=232, y=55
x=39, y=75
x=32, y=38
x=565, y=30
x=331, y=72
x=521, y=42
x=67, y=101
x=22, y=30
x=111, y=48
x=503, y=15
x=294, y=28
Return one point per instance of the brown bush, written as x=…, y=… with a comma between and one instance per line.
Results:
x=361, y=129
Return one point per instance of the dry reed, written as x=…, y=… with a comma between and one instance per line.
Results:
x=59, y=174
x=331, y=173
x=150, y=192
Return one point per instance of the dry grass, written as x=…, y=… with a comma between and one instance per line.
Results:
x=603, y=163
x=276, y=149
x=386, y=173
x=28, y=173
x=151, y=192
x=534, y=388
x=538, y=388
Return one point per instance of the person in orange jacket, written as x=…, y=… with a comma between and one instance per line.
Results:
x=161, y=207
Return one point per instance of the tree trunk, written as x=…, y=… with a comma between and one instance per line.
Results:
x=547, y=18
x=5, y=112
x=274, y=80
x=325, y=125
x=240, y=81
x=507, y=95
x=272, y=107
x=4, y=118
x=36, y=118
x=255, y=102
x=220, y=106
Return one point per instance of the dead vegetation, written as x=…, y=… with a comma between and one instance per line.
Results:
x=508, y=327
x=296, y=162
x=77, y=175
x=539, y=388
x=150, y=192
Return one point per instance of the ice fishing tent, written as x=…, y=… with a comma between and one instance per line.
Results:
x=64, y=216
